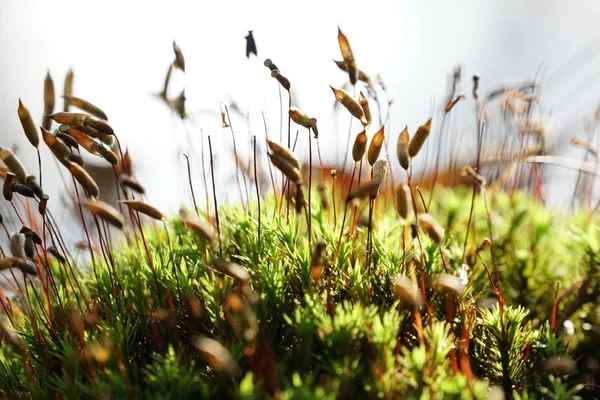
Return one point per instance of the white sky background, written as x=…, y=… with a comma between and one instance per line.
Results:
x=120, y=51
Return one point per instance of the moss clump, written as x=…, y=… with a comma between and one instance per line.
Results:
x=346, y=335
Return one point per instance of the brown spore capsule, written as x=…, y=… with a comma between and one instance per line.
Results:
x=375, y=146
x=28, y=125
x=360, y=146
x=402, y=148
x=145, y=209
x=14, y=164
x=417, y=141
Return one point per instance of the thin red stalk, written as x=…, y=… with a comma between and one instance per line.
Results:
x=150, y=261
x=554, y=307
x=339, y=243
x=355, y=207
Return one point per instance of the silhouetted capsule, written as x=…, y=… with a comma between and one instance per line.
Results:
x=200, y=227
x=100, y=126
x=49, y=100
x=68, y=88
x=84, y=179
x=375, y=146
x=408, y=292
x=178, y=105
x=193, y=305
x=561, y=366
x=299, y=199
x=283, y=164
x=419, y=138
x=350, y=104
x=379, y=171
x=278, y=149
x=105, y=211
x=217, y=356
x=22, y=190
x=402, y=148
x=317, y=260
x=43, y=204
x=250, y=45
x=484, y=245
x=84, y=141
x=313, y=126
x=231, y=269
x=361, y=75
x=283, y=81
x=69, y=118
x=414, y=230
x=52, y=250
x=93, y=133
x=179, y=60
x=145, y=208
x=126, y=165
x=107, y=154
x=26, y=267
x=369, y=189
x=28, y=126
x=67, y=139
x=32, y=184
x=16, y=246
x=349, y=62
x=431, y=227
x=453, y=102
x=58, y=148
x=270, y=64
x=6, y=190
x=451, y=284
x=11, y=337
x=403, y=200
x=28, y=232
x=29, y=247
x=13, y=164
x=322, y=189
x=364, y=103
x=76, y=159
x=300, y=117
x=85, y=106
x=360, y=146
x=133, y=185
x=80, y=121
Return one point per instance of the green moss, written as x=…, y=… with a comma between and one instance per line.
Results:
x=347, y=335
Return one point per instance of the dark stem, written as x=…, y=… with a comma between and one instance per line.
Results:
x=309, y=215
x=257, y=192
x=237, y=167
x=212, y=173
x=189, y=172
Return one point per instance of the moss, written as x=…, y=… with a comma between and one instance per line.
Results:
x=346, y=335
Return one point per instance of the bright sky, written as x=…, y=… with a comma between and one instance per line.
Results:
x=120, y=51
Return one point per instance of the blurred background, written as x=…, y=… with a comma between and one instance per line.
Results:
x=120, y=52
